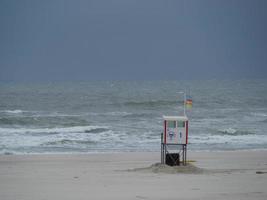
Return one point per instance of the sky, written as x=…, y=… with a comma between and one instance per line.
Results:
x=79, y=40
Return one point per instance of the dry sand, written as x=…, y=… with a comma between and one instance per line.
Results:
x=214, y=175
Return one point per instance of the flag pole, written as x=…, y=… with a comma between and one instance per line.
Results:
x=184, y=93
x=184, y=102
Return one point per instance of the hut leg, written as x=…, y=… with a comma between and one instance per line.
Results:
x=185, y=154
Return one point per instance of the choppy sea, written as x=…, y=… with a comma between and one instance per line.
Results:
x=119, y=116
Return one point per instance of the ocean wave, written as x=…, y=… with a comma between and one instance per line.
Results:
x=260, y=114
x=229, y=139
x=121, y=114
x=96, y=130
x=69, y=142
x=233, y=132
x=138, y=115
x=42, y=120
x=152, y=103
x=66, y=130
x=13, y=111
x=37, y=113
x=259, y=117
x=114, y=113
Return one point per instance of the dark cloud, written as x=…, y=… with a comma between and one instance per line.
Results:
x=123, y=39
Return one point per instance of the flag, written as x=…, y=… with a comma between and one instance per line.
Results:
x=188, y=102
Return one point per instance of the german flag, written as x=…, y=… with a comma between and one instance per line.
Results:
x=188, y=102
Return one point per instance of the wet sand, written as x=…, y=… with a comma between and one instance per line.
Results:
x=211, y=175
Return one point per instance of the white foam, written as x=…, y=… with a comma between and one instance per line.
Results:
x=75, y=133
x=229, y=139
x=115, y=113
x=229, y=130
x=260, y=114
x=74, y=129
x=119, y=113
x=13, y=111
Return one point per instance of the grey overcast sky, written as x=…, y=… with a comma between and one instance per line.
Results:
x=132, y=39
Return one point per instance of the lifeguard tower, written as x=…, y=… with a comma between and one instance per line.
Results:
x=174, y=140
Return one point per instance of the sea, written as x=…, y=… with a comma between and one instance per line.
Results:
x=126, y=116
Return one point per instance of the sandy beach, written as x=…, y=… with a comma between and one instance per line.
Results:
x=212, y=175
